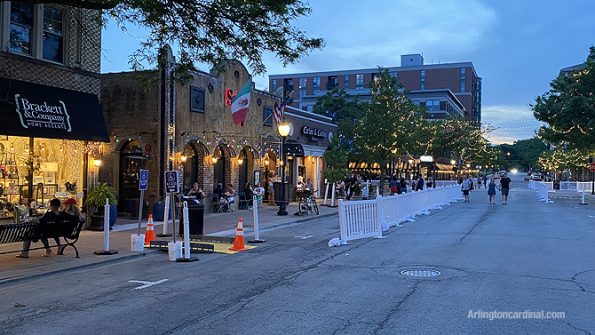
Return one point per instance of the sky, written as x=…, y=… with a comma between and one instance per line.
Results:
x=516, y=46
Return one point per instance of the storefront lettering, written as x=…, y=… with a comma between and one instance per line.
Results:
x=42, y=115
x=314, y=132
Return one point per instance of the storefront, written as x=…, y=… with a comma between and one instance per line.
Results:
x=47, y=136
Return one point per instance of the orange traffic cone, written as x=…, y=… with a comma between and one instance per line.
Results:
x=238, y=243
x=150, y=232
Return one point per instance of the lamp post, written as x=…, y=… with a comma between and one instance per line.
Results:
x=284, y=129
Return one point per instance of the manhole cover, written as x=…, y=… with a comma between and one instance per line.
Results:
x=420, y=273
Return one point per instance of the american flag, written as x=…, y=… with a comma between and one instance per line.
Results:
x=278, y=112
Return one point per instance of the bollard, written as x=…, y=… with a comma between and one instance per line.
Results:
x=333, y=197
x=186, y=257
x=256, y=223
x=583, y=201
x=164, y=232
x=325, y=194
x=106, y=250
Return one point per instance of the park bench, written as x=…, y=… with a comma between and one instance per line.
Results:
x=69, y=230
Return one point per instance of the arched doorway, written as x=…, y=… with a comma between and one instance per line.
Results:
x=269, y=161
x=193, y=163
x=131, y=162
x=245, y=165
x=221, y=165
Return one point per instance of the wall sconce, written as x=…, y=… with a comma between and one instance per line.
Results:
x=214, y=159
x=240, y=160
x=183, y=158
x=452, y=162
x=266, y=161
x=97, y=162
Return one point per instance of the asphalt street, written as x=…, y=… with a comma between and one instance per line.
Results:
x=524, y=256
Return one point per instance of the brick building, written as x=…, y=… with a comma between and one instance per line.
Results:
x=188, y=126
x=49, y=81
x=444, y=89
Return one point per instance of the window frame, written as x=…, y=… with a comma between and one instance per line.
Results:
x=194, y=89
x=267, y=120
x=359, y=83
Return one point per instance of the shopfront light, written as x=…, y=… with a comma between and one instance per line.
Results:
x=284, y=129
x=426, y=159
x=183, y=158
x=214, y=159
x=452, y=162
x=97, y=163
x=240, y=160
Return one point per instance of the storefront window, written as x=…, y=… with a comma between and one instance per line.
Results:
x=52, y=164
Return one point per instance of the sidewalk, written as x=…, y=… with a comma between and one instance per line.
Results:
x=15, y=269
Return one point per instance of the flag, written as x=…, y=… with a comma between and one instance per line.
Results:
x=240, y=105
x=278, y=112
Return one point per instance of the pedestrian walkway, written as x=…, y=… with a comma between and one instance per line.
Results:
x=222, y=224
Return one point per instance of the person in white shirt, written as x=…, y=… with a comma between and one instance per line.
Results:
x=466, y=187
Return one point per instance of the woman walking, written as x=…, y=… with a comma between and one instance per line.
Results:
x=492, y=191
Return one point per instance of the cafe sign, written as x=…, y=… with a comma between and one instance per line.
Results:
x=40, y=114
x=314, y=132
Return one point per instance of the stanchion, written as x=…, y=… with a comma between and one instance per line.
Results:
x=325, y=194
x=106, y=250
x=164, y=232
x=333, y=196
x=186, y=257
x=256, y=223
x=583, y=201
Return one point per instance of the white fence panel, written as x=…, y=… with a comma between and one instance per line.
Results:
x=584, y=186
x=359, y=219
x=542, y=190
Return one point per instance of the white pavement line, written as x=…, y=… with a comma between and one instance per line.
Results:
x=303, y=237
x=147, y=283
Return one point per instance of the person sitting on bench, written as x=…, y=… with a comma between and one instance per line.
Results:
x=53, y=217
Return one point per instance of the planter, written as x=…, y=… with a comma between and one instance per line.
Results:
x=96, y=222
x=113, y=215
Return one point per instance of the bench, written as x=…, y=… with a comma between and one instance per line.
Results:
x=68, y=230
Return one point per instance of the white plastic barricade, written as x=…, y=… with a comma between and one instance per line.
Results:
x=368, y=218
x=584, y=186
x=569, y=186
x=359, y=219
x=542, y=190
x=444, y=183
x=550, y=185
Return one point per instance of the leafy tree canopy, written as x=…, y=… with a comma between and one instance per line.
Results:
x=210, y=31
x=569, y=108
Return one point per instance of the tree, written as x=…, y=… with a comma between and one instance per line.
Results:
x=336, y=160
x=523, y=153
x=569, y=108
x=345, y=110
x=210, y=31
x=389, y=126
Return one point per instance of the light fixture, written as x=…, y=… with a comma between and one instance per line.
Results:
x=426, y=159
x=284, y=128
x=240, y=160
x=214, y=159
x=97, y=162
x=468, y=165
x=183, y=158
x=452, y=162
x=266, y=161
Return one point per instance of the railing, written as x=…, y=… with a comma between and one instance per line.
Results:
x=584, y=186
x=542, y=190
x=369, y=218
x=443, y=183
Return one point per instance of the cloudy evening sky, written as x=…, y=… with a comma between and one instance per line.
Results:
x=517, y=47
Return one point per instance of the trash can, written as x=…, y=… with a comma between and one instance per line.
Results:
x=196, y=214
x=158, y=209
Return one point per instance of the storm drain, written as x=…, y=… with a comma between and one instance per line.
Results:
x=420, y=273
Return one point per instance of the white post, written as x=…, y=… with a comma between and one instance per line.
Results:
x=165, y=216
x=583, y=201
x=378, y=191
x=186, y=232
x=325, y=194
x=333, y=196
x=106, y=225
x=256, y=223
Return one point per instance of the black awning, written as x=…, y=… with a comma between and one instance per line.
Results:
x=34, y=110
x=293, y=149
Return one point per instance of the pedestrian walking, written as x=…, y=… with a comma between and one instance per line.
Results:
x=505, y=187
x=475, y=183
x=466, y=187
x=492, y=191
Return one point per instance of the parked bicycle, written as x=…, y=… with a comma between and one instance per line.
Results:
x=307, y=202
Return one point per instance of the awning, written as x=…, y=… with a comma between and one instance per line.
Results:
x=313, y=150
x=444, y=167
x=33, y=110
x=293, y=149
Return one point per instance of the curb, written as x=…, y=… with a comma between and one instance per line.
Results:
x=13, y=280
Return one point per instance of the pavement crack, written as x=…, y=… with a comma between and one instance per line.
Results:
x=577, y=328
x=480, y=221
x=395, y=309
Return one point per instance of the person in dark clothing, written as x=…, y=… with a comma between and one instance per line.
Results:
x=219, y=192
x=53, y=217
x=505, y=188
x=402, y=186
x=420, y=183
x=393, y=185
x=249, y=194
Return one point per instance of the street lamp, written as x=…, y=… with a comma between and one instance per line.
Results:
x=284, y=129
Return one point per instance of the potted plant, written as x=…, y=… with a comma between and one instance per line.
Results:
x=96, y=199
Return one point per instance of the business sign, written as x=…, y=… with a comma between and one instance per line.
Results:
x=314, y=132
x=171, y=182
x=143, y=181
x=592, y=167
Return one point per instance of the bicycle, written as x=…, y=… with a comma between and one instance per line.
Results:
x=307, y=203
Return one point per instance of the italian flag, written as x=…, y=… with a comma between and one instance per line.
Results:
x=241, y=104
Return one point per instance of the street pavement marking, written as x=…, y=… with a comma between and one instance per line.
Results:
x=147, y=283
x=303, y=237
